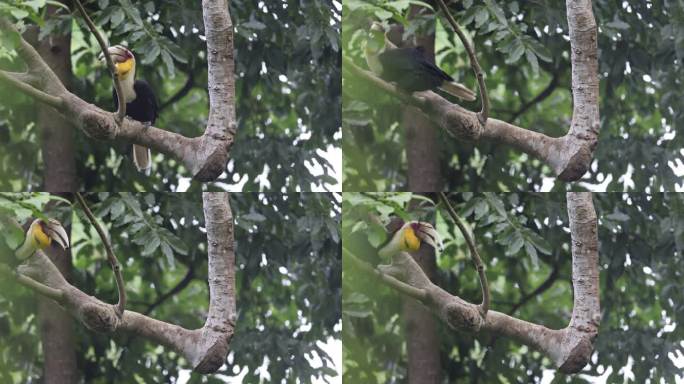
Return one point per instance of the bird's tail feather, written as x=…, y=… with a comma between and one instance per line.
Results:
x=458, y=90
x=142, y=158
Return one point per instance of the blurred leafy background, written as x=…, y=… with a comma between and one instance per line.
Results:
x=288, y=266
x=523, y=48
x=524, y=241
x=287, y=68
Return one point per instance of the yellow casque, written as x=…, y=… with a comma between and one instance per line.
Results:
x=409, y=241
x=124, y=67
x=40, y=236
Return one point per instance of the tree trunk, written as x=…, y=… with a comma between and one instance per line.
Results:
x=57, y=133
x=422, y=147
x=422, y=151
x=422, y=341
x=56, y=326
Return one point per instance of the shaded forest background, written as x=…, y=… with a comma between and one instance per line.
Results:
x=524, y=241
x=288, y=266
x=523, y=48
x=287, y=65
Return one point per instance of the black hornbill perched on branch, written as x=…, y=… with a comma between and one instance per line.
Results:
x=141, y=102
x=408, y=67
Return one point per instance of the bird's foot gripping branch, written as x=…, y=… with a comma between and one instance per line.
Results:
x=568, y=156
x=205, y=156
x=569, y=348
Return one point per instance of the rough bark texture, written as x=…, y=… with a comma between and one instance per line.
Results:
x=569, y=156
x=57, y=133
x=56, y=331
x=205, y=156
x=569, y=348
x=56, y=326
x=220, y=323
x=205, y=348
x=422, y=341
x=422, y=153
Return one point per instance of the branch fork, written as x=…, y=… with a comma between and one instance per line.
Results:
x=205, y=348
x=205, y=156
x=569, y=156
x=569, y=348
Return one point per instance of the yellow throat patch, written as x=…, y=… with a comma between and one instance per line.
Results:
x=41, y=238
x=123, y=68
x=410, y=242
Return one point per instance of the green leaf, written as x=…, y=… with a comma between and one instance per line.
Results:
x=532, y=59
x=539, y=242
x=481, y=17
x=516, y=51
x=151, y=54
x=168, y=253
x=168, y=62
x=532, y=253
x=497, y=11
x=496, y=202
x=151, y=245
x=539, y=49
x=118, y=208
x=117, y=17
x=376, y=235
x=35, y=5
x=19, y=13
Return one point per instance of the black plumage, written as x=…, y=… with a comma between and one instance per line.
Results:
x=411, y=70
x=144, y=107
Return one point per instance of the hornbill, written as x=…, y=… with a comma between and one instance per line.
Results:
x=141, y=102
x=408, y=237
x=408, y=67
x=40, y=235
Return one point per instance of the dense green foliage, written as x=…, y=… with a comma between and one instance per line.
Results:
x=288, y=266
x=524, y=241
x=523, y=49
x=287, y=65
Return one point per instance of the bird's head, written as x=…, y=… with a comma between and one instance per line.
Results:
x=124, y=61
x=416, y=232
x=43, y=233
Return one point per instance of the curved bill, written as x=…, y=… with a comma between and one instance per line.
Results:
x=57, y=233
x=118, y=53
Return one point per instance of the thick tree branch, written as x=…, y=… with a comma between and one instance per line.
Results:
x=474, y=254
x=418, y=294
x=121, y=112
x=220, y=324
x=205, y=348
x=24, y=77
x=51, y=293
x=39, y=95
x=568, y=156
x=111, y=257
x=569, y=348
x=484, y=97
x=205, y=156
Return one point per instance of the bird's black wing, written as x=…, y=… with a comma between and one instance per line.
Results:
x=410, y=69
x=148, y=109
